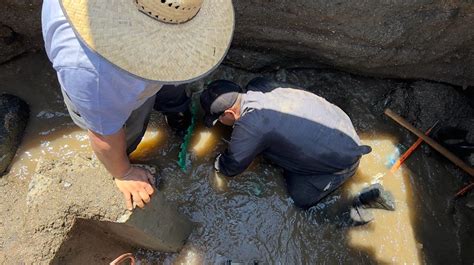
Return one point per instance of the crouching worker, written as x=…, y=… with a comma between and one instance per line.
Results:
x=313, y=140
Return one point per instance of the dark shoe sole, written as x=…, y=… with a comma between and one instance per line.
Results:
x=375, y=197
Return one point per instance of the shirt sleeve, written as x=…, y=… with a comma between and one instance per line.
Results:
x=246, y=143
x=83, y=88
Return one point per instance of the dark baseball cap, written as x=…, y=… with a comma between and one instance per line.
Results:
x=219, y=96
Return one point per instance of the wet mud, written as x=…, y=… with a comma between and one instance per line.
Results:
x=250, y=217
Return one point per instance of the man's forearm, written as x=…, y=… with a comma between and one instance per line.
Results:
x=111, y=151
x=133, y=182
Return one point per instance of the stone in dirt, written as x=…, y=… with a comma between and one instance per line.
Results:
x=10, y=46
x=75, y=197
x=14, y=113
x=20, y=28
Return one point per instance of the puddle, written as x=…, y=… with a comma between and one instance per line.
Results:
x=390, y=236
x=250, y=217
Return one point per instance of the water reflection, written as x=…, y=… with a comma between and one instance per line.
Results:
x=62, y=141
x=219, y=182
x=147, y=149
x=189, y=256
x=204, y=143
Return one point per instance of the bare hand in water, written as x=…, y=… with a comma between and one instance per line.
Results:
x=136, y=187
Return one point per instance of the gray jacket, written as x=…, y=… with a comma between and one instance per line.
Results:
x=298, y=130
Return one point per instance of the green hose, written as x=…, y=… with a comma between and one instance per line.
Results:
x=183, y=156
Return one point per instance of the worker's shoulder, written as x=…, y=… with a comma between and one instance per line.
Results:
x=250, y=116
x=257, y=121
x=266, y=85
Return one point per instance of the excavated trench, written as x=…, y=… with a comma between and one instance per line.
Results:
x=250, y=218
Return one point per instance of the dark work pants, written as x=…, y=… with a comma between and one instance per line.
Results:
x=172, y=99
x=307, y=190
x=169, y=99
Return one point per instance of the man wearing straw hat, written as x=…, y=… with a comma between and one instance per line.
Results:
x=114, y=59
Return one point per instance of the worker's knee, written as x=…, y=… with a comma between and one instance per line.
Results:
x=303, y=193
x=304, y=203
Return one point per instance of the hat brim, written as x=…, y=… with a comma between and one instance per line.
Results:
x=151, y=49
x=211, y=120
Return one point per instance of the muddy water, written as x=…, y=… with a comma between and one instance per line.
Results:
x=390, y=236
x=250, y=217
x=50, y=132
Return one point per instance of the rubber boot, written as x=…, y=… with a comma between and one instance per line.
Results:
x=375, y=197
x=179, y=121
x=360, y=216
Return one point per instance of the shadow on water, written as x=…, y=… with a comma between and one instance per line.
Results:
x=250, y=217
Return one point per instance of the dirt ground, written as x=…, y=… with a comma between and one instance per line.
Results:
x=244, y=224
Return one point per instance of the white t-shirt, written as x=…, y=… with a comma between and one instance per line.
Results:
x=103, y=94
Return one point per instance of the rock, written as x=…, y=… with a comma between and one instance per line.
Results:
x=420, y=104
x=14, y=114
x=20, y=28
x=416, y=39
x=464, y=218
x=9, y=44
x=78, y=194
x=454, y=139
x=7, y=35
x=419, y=39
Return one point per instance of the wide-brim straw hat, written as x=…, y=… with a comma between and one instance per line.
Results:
x=172, y=41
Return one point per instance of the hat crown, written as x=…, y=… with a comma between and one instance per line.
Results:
x=170, y=11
